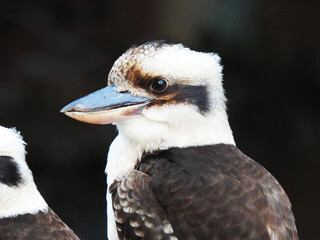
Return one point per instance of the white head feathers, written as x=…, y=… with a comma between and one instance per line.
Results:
x=18, y=192
x=175, y=122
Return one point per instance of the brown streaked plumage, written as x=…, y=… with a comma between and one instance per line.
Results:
x=137, y=78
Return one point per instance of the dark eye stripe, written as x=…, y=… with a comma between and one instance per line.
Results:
x=196, y=95
x=176, y=93
x=9, y=172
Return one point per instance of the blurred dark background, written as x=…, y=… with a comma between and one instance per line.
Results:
x=52, y=52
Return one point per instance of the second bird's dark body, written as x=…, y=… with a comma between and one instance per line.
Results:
x=40, y=226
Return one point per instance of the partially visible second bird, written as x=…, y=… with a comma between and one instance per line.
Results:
x=24, y=214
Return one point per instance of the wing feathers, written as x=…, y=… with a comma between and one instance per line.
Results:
x=138, y=215
x=40, y=226
x=208, y=192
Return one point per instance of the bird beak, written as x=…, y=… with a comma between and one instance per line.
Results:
x=106, y=105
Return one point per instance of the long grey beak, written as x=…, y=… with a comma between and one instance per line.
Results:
x=105, y=106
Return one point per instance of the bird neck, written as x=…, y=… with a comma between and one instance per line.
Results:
x=210, y=130
x=180, y=130
x=142, y=135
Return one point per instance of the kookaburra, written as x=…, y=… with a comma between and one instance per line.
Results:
x=24, y=214
x=173, y=171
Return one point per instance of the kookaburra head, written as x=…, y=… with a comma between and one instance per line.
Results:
x=18, y=192
x=161, y=95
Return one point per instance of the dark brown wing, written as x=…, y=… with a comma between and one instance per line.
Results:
x=138, y=215
x=277, y=215
x=40, y=226
x=216, y=192
x=208, y=192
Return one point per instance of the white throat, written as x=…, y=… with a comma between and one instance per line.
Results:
x=176, y=126
x=141, y=135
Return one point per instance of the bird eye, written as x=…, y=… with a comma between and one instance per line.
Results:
x=159, y=85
